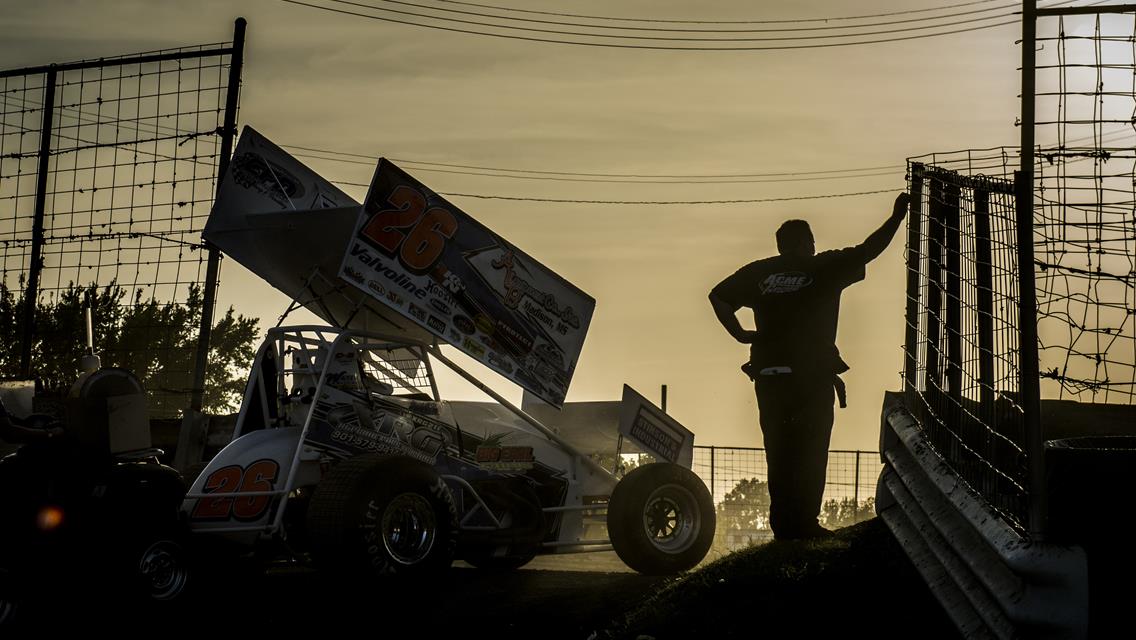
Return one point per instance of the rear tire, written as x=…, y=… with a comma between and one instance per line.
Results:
x=378, y=514
x=661, y=519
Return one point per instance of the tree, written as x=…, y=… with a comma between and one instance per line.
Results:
x=745, y=508
x=846, y=511
x=155, y=340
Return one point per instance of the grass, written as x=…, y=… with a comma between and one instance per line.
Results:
x=859, y=582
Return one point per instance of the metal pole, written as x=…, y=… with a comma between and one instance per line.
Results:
x=984, y=286
x=712, y=449
x=213, y=267
x=31, y=294
x=934, y=309
x=856, y=486
x=1027, y=303
x=664, y=399
x=953, y=226
x=914, y=245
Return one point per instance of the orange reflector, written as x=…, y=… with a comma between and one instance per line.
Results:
x=49, y=518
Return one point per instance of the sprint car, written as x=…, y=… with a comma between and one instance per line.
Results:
x=343, y=454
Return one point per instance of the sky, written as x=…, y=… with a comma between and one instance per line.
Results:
x=320, y=79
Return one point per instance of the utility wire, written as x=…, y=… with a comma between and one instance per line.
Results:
x=595, y=175
x=631, y=37
x=611, y=45
x=641, y=202
x=685, y=30
x=593, y=17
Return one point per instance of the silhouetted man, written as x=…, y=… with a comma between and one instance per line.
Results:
x=794, y=362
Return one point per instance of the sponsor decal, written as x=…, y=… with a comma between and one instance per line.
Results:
x=396, y=277
x=353, y=274
x=464, y=324
x=516, y=341
x=652, y=436
x=517, y=288
x=376, y=287
x=436, y=324
x=501, y=363
x=505, y=458
x=360, y=427
x=253, y=171
x=417, y=312
x=786, y=282
x=441, y=293
x=440, y=307
x=453, y=282
x=525, y=378
x=472, y=348
x=394, y=298
x=550, y=354
x=483, y=324
x=455, y=336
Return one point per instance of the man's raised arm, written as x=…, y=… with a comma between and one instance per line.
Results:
x=875, y=244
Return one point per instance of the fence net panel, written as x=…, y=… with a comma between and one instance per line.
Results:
x=963, y=354
x=132, y=157
x=1084, y=220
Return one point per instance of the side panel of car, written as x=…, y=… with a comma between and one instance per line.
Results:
x=257, y=462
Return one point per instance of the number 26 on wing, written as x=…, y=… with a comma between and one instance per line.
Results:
x=411, y=231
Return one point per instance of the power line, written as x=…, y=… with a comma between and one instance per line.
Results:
x=641, y=202
x=593, y=17
x=611, y=45
x=688, y=30
x=596, y=175
x=615, y=179
x=627, y=37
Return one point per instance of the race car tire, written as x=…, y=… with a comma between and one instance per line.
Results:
x=383, y=514
x=661, y=519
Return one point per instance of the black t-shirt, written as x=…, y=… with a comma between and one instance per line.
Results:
x=795, y=302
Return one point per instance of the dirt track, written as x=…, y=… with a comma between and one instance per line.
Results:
x=565, y=597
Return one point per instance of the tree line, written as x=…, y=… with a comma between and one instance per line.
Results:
x=155, y=340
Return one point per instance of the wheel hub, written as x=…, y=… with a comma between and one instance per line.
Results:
x=670, y=518
x=162, y=570
x=409, y=527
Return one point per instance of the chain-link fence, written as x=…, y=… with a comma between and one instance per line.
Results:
x=737, y=478
x=108, y=170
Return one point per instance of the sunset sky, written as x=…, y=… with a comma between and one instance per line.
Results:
x=325, y=80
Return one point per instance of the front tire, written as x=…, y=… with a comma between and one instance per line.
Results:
x=383, y=514
x=661, y=519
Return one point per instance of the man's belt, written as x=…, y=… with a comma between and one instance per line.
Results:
x=837, y=384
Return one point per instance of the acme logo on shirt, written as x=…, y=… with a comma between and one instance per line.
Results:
x=786, y=282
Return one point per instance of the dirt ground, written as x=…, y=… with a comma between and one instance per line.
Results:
x=563, y=597
x=568, y=597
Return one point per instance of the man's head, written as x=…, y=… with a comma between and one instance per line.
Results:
x=795, y=238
